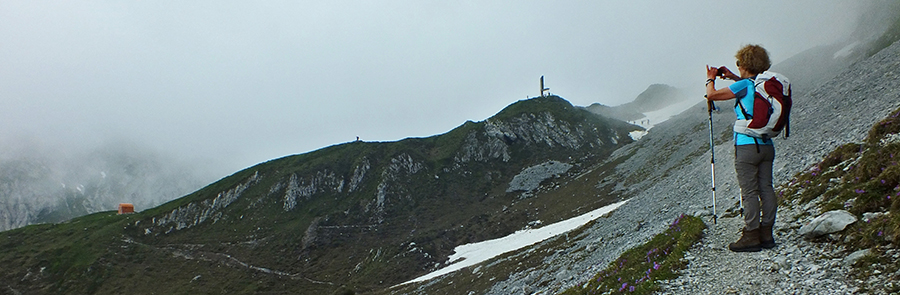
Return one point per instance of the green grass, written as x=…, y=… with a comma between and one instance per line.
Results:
x=638, y=270
x=65, y=250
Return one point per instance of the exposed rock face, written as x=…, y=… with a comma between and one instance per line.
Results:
x=195, y=213
x=475, y=150
x=496, y=138
x=401, y=168
x=531, y=177
x=536, y=129
x=302, y=188
x=359, y=173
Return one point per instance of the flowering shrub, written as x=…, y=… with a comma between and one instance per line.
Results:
x=638, y=269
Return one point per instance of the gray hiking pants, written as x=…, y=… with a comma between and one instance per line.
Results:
x=754, y=174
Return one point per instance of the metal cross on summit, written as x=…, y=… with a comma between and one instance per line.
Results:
x=544, y=90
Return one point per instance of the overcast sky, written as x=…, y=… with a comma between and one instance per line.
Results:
x=238, y=83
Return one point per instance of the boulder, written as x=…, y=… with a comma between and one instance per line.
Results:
x=827, y=223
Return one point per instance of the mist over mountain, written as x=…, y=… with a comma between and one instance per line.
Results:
x=42, y=183
x=818, y=65
x=655, y=97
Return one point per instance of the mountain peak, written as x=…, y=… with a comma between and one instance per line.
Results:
x=552, y=103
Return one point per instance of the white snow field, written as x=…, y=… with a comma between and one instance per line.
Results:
x=471, y=254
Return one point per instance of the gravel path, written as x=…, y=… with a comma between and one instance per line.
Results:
x=793, y=267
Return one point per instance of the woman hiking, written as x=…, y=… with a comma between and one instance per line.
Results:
x=753, y=156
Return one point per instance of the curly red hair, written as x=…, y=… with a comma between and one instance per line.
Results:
x=753, y=58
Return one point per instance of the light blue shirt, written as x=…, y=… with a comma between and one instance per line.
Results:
x=744, y=91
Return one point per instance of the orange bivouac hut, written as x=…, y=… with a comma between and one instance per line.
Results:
x=125, y=208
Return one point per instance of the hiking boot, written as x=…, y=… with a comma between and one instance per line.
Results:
x=749, y=242
x=766, y=239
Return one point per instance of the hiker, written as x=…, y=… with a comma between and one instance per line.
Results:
x=753, y=156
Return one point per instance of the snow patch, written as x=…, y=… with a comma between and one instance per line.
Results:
x=655, y=117
x=662, y=115
x=847, y=50
x=636, y=135
x=471, y=254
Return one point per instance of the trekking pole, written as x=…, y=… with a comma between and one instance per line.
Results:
x=712, y=161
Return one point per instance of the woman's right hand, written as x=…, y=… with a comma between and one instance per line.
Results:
x=711, y=72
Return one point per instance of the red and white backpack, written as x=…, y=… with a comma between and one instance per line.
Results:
x=771, y=108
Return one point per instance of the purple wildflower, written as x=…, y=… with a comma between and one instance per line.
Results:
x=860, y=191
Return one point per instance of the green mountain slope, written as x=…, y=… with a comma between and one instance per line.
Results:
x=358, y=216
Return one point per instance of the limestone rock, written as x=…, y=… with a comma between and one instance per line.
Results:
x=827, y=223
x=855, y=256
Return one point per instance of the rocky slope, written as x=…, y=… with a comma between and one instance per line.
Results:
x=835, y=113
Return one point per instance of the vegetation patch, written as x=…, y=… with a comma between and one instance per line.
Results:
x=638, y=270
x=864, y=179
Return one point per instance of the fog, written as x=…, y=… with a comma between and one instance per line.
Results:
x=40, y=183
x=223, y=85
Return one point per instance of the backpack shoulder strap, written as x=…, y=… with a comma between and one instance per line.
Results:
x=737, y=101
